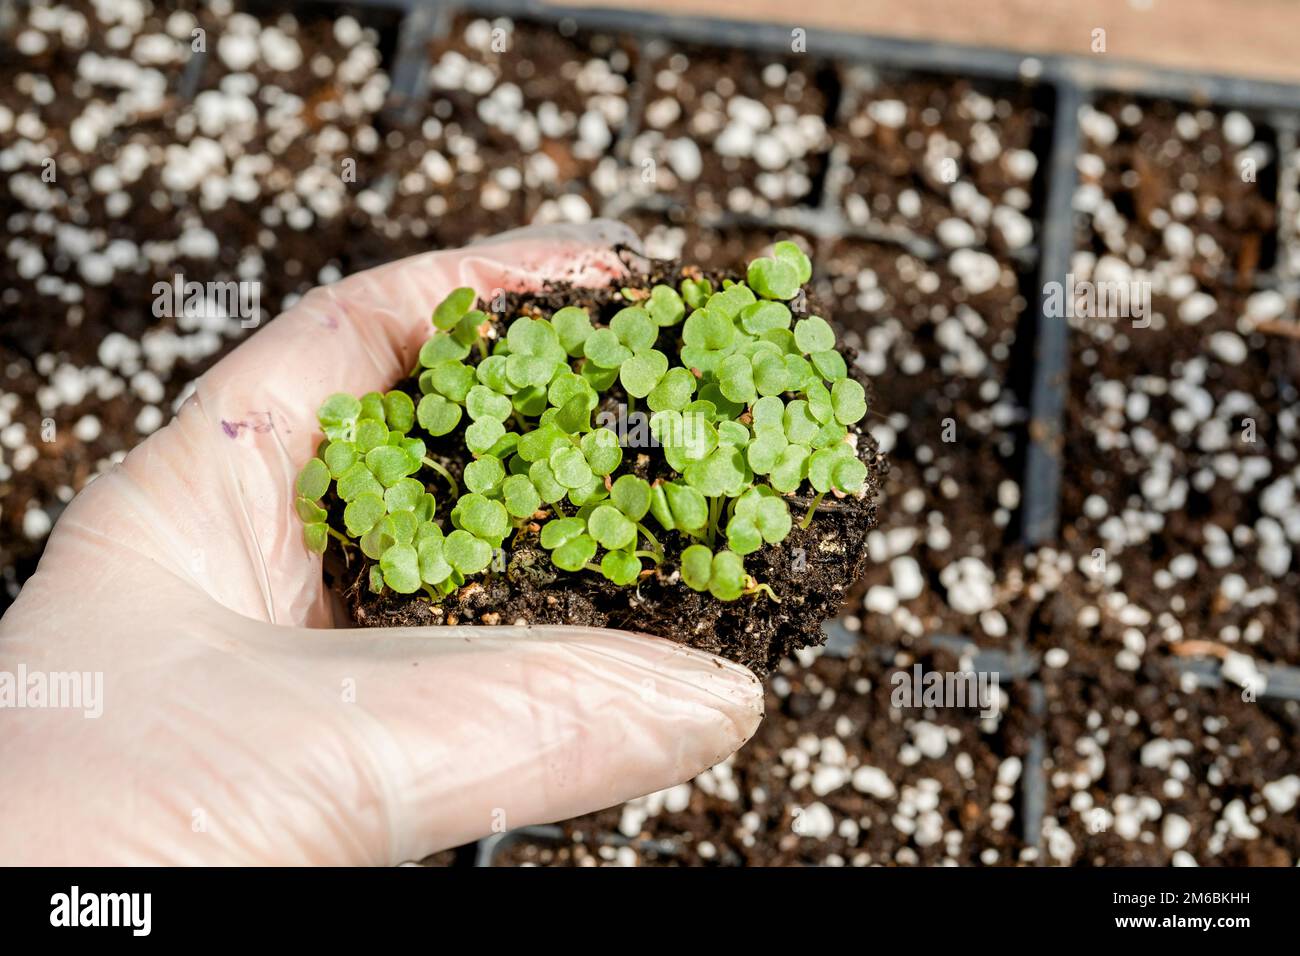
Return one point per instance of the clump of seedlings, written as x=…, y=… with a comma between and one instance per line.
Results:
x=645, y=437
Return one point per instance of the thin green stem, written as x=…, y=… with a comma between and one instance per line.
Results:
x=654, y=542
x=455, y=488
x=654, y=556
x=715, y=512
x=812, y=510
x=347, y=542
x=589, y=566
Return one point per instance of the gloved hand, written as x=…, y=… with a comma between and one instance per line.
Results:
x=236, y=726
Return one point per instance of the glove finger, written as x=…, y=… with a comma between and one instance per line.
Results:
x=468, y=731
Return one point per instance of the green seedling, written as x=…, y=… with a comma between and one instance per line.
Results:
x=750, y=403
x=722, y=574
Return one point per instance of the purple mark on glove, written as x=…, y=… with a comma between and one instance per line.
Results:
x=261, y=424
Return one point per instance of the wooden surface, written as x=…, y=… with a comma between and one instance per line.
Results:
x=1251, y=38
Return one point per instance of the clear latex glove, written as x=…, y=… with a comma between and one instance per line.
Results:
x=237, y=727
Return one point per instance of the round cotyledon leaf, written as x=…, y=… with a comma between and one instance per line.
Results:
x=574, y=553
x=466, y=553
x=621, y=567
x=401, y=567
x=611, y=528
x=314, y=479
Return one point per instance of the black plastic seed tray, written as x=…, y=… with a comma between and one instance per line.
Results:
x=1064, y=84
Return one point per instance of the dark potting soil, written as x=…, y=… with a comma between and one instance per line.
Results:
x=517, y=120
x=810, y=573
x=1180, y=448
x=1144, y=769
x=719, y=136
x=1196, y=185
x=920, y=151
x=952, y=424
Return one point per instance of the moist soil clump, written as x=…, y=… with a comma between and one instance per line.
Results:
x=809, y=573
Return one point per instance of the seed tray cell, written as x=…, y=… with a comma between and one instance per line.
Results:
x=1142, y=772
x=714, y=136
x=942, y=158
x=1182, y=436
x=1195, y=188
